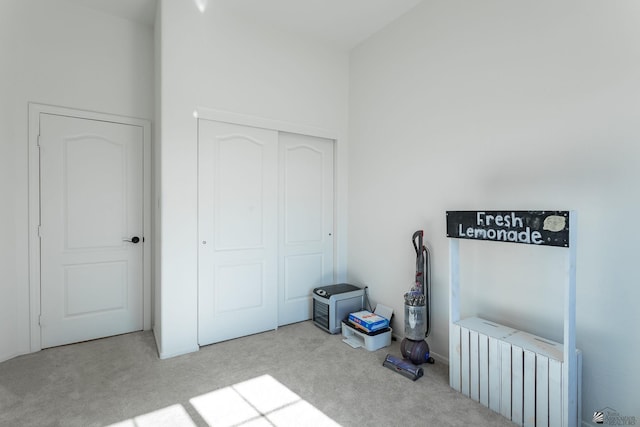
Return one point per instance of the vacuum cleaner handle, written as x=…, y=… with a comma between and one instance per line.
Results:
x=418, y=246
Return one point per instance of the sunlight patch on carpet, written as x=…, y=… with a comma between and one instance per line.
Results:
x=171, y=416
x=261, y=401
x=224, y=407
x=256, y=402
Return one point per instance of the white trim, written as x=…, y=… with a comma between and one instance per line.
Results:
x=34, y=207
x=454, y=305
x=261, y=122
x=187, y=350
x=34, y=225
x=571, y=416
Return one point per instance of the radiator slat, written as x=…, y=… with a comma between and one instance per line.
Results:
x=555, y=392
x=474, y=367
x=505, y=378
x=542, y=391
x=529, y=394
x=517, y=373
x=483, y=358
x=494, y=374
x=465, y=360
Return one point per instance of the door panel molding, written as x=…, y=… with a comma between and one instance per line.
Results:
x=35, y=112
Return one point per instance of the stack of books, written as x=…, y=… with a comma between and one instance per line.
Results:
x=368, y=322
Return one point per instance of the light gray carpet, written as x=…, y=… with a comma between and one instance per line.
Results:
x=120, y=379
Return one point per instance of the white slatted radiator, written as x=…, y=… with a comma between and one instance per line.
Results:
x=516, y=374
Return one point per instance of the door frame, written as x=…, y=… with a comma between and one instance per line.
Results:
x=35, y=110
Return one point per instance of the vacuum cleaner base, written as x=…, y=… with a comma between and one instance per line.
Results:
x=403, y=367
x=416, y=351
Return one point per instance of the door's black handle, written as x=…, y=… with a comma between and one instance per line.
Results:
x=134, y=239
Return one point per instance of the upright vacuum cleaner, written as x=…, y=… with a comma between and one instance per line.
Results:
x=417, y=318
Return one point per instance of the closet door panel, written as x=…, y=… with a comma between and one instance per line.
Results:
x=306, y=223
x=238, y=230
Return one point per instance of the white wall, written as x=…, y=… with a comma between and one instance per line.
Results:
x=9, y=291
x=220, y=61
x=506, y=105
x=55, y=53
x=156, y=185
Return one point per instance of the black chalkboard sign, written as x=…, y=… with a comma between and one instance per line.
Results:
x=548, y=228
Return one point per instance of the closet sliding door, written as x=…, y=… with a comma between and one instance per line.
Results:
x=265, y=226
x=306, y=223
x=238, y=230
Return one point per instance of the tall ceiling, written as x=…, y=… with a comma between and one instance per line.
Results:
x=342, y=23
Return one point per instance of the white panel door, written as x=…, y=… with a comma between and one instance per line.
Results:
x=306, y=223
x=238, y=226
x=91, y=190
